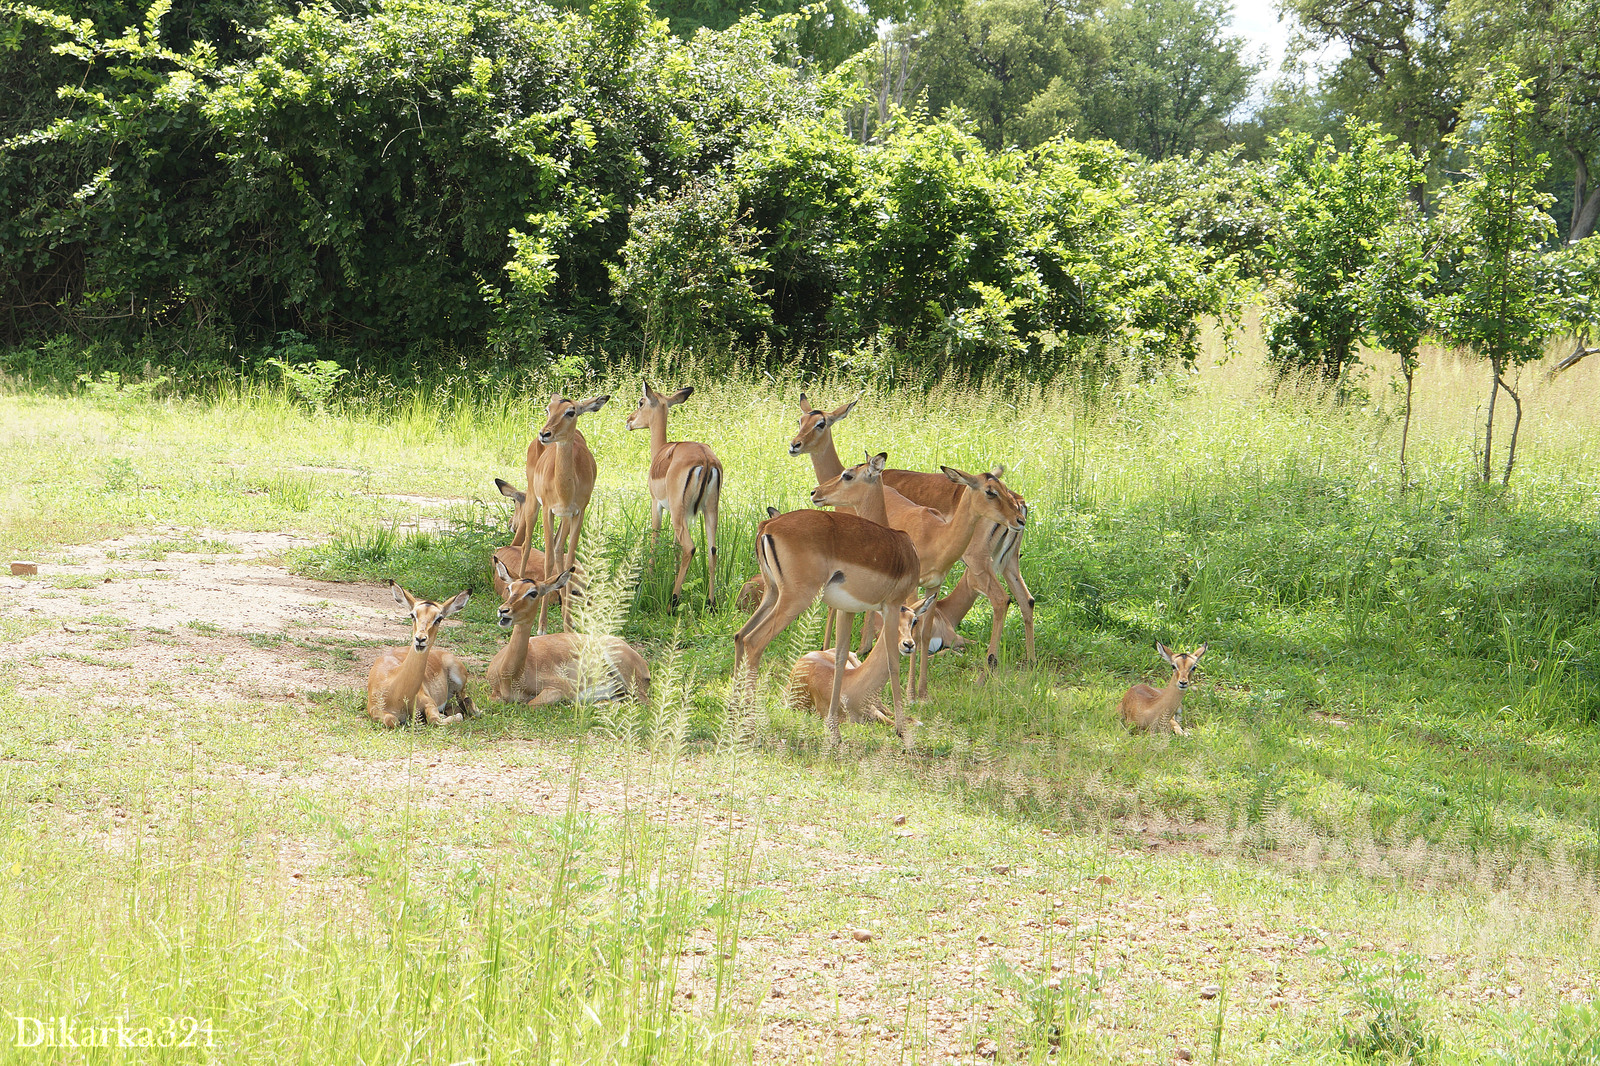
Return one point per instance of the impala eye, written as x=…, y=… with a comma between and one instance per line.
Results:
x=847, y=477
x=571, y=414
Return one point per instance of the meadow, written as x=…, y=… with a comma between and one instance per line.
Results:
x=1380, y=841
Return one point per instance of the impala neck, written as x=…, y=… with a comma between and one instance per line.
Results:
x=956, y=605
x=962, y=524
x=658, y=434
x=825, y=461
x=407, y=681
x=868, y=678
x=872, y=507
x=516, y=652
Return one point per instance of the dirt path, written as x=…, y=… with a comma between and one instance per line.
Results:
x=189, y=615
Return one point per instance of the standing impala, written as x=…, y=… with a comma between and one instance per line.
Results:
x=551, y=668
x=939, y=541
x=562, y=482
x=815, y=438
x=685, y=480
x=855, y=564
x=419, y=677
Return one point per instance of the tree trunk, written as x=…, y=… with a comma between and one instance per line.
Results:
x=1488, y=429
x=1511, y=453
x=1405, y=427
x=1585, y=201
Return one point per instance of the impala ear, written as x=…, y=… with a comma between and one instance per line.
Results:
x=559, y=582
x=772, y=512
x=1201, y=650
x=960, y=477
x=927, y=604
x=510, y=491
x=875, y=462
x=502, y=572
x=998, y=471
x=805, y=405
x=458, y=601
x=589, y=407
x=842, y=412
x=680, y=396
x=1165, y=654
x=401, y=596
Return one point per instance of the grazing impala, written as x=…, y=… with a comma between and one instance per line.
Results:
x=561, y=482
x=419, y=677
x=685, y=480
x=552, y=668
x=815, y=438
x=939, y=540
x=855, y=564
x=1158, y=710
x=861, y=695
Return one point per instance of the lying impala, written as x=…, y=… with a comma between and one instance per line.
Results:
x=685, y=480
x=855, y=564
x=815, y=438
x=561, y=481
x=420, y=677
x=1158, y=710
x=558, y=667
x=861, y=694
x=939, y=541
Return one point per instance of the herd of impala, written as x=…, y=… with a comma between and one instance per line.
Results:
x=890, y=534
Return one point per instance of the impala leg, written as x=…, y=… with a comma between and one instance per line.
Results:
x=710, y=516
x=685, y=538
x=827, y=628
x=998, y=606
x=573, y=531
x=1019, y=592
x=550, y=556
x=894, y=688
x=750, y=643
x=530, y=515
x=869, y=630
x=839, y=657
x=924, y=636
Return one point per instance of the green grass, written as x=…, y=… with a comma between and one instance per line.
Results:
x=1383, y=820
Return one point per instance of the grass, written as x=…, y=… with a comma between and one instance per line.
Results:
x=1383, y=822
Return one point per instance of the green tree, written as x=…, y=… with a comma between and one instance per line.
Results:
x=1396, y=299
x=1330, y=206
x=1014, y=66
x=1171, y=77
x=1497, y=296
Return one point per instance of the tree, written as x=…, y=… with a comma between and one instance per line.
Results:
x=1013, y=66
x=1171, y=77
x=1497, y=298
x=1330, y=206
x=1395, y=296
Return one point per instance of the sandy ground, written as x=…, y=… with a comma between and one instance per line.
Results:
x=206, y=626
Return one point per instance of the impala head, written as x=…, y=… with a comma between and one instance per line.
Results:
x=993, y=499
x=426, y=614
x=815, y=426
x=523, y=596
x=653, y=405
x=1182, y=663
x=517, y=498
x=562, y=422
x=846, y=489
x=909, y=617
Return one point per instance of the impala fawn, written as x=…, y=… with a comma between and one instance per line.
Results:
x=861, y=694
x=551, y=668
x=1157, y=710
x=420, y=677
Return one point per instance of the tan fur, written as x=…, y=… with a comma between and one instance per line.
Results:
x=685, y=480
x=939, y=540
x=861, y=694
x=854, y=564
x=547, y=669
x=1144, y=708
x=561, y=480
x=419, y=677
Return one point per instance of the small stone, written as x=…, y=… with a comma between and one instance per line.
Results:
x=1185, y=1055
x=861, y=935
x=1104, y=879
x=1211, y=992
x=1002, y=869
x=899, y=819
x=20, y=569
x=986, y=1049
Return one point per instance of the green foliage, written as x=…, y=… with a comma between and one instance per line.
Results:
x=312, y=381
x=1572, y=1038
x=1391, y=1027
x=1331, y=205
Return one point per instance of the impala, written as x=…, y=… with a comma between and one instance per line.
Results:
x=1157, y=710
x=815, y=439
x=856, y=565
x=419, y=677
x=562, y=480
x=557, y=667
x=861, y=694
x=685, y=480
x=939, y=540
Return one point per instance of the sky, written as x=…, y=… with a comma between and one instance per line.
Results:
x=1257, y=22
